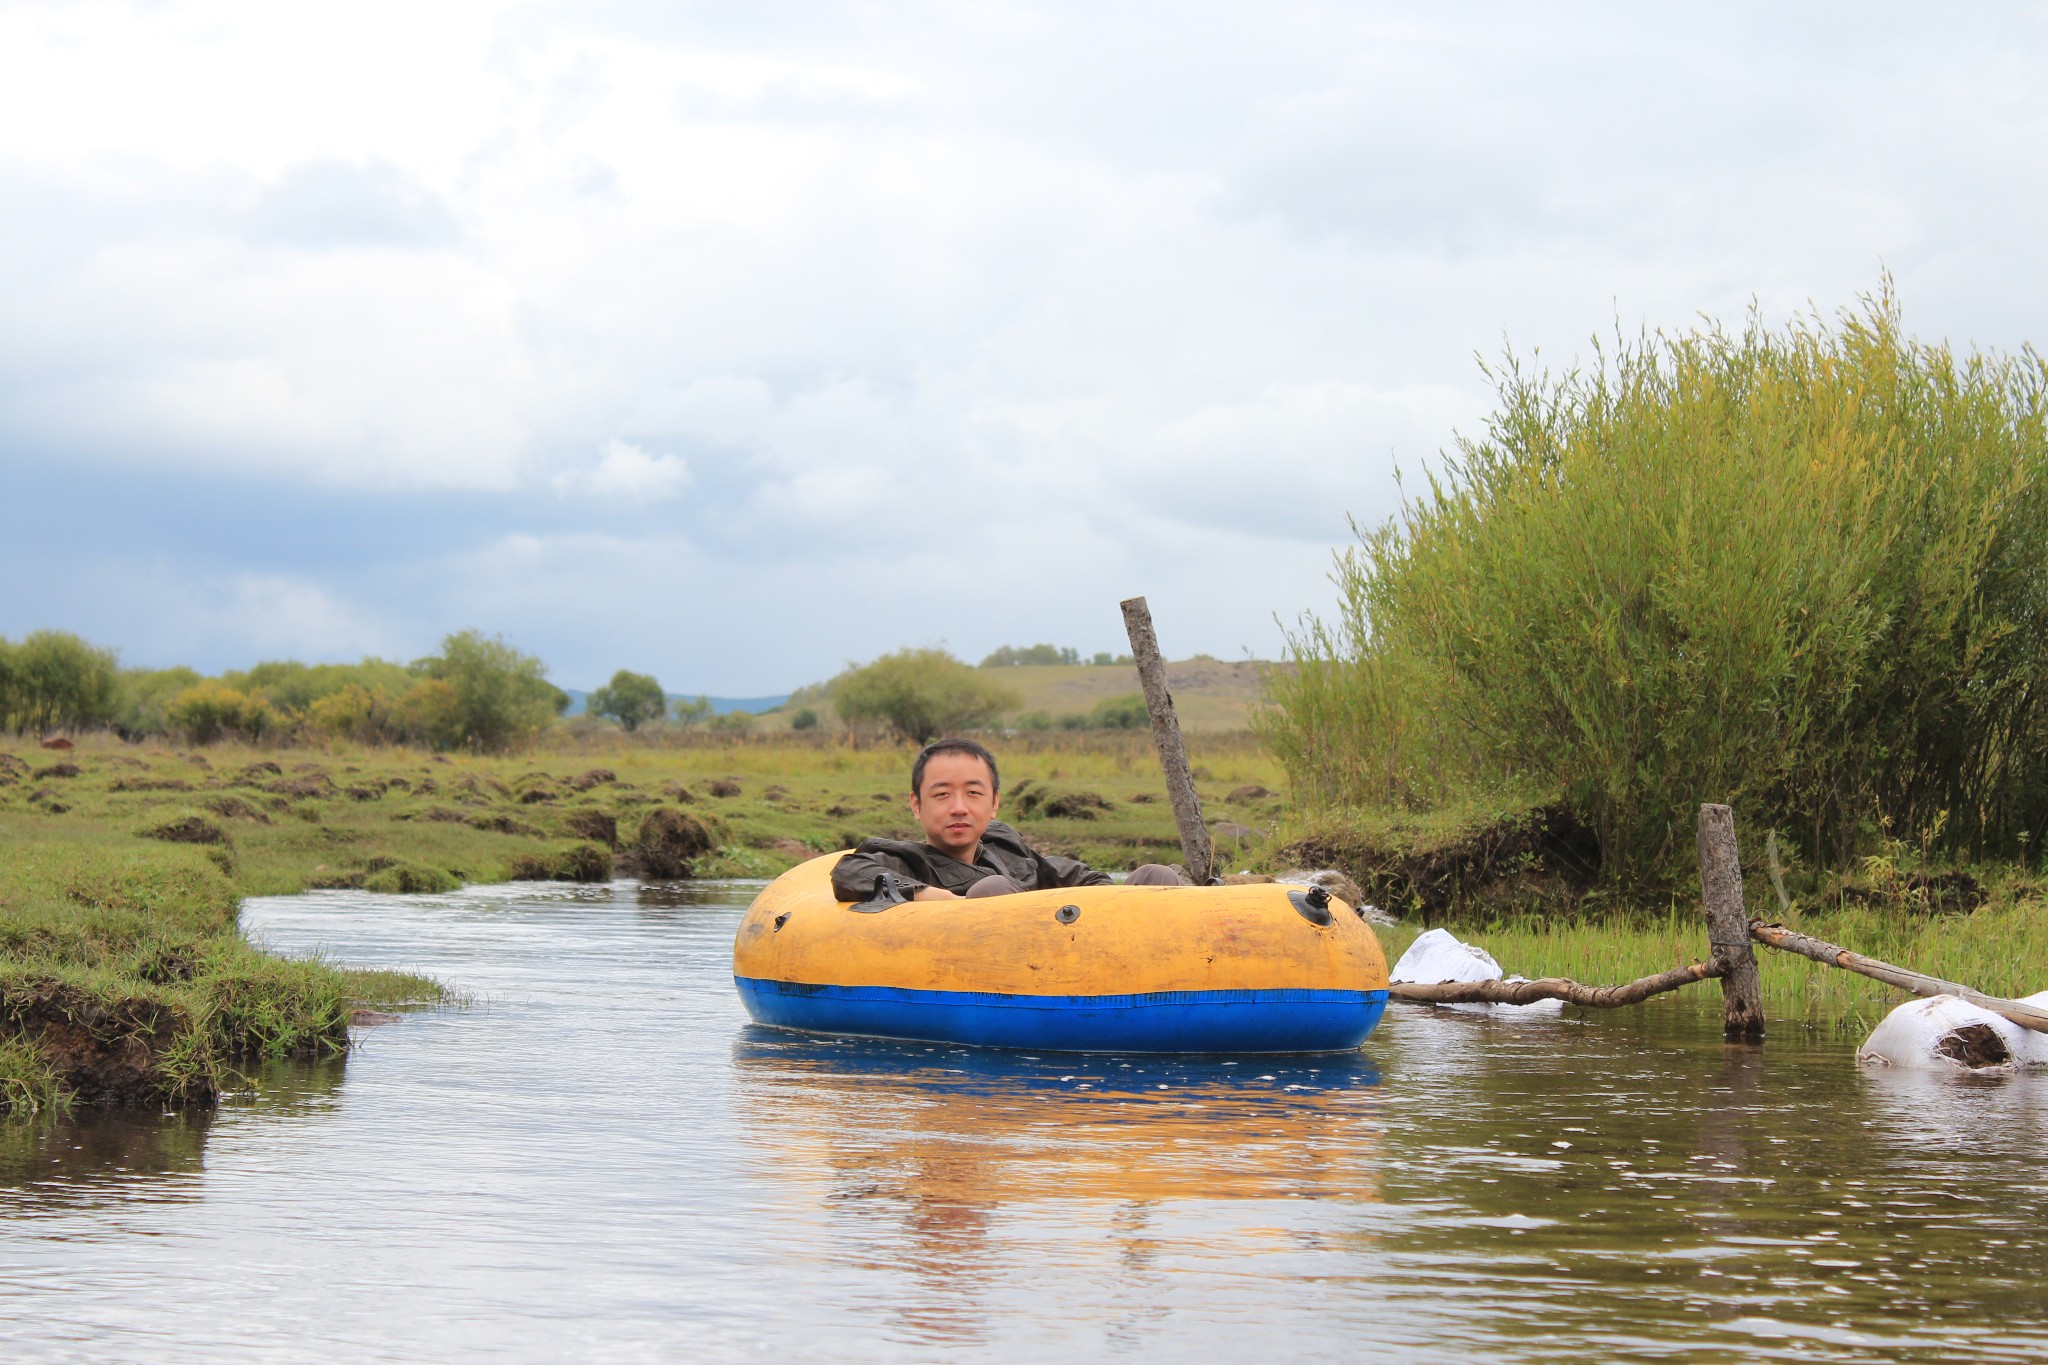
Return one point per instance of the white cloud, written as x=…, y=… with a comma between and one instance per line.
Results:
x=624, y=470
x=1138, y=298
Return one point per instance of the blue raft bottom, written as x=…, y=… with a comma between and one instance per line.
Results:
x=1282, y=1019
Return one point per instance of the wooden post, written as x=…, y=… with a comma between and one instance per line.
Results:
x=1195, y=847
x=1834, y=955
x=1742, y=995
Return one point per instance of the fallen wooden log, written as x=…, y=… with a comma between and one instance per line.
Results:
x=1553, y=988
x=1834, y=955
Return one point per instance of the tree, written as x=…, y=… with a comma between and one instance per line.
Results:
x=631, y=699
x=501, y=697
x=54, y=680
x=920, y=694
x=144, y=698
x=690, y=710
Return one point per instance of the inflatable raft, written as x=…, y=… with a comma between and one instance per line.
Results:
x=1264, y=968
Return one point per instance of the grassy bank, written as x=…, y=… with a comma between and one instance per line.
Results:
x=125, y=980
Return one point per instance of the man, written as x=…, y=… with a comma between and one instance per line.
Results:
x=967, y=853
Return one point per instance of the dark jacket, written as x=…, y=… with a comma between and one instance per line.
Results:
x=917, y=866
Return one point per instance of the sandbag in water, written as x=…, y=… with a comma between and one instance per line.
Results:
x=1947, y=1033
x=1438, y=956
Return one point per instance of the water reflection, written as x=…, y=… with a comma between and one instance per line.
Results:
x=95, y=1157
x=948, y=1163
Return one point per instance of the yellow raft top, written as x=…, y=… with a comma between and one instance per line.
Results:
x=1077, y=941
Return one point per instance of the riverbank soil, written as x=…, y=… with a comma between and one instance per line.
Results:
x=124, y=978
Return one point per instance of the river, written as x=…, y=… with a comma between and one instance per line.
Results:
x=597, y=1158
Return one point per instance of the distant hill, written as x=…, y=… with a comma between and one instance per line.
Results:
x=1208, y=694
x=719, y=705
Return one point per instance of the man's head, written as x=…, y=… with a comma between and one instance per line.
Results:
x=954, y=793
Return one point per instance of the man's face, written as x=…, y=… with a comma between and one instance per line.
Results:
x=955, y=804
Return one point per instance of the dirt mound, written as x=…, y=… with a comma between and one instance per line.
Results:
x=595, y=825
x=669, y=844
x=57, y=770
x=58, y=743
x=10, y=764
x=724, y=787
x=1539, y=858
x=583, y=863
x=494, y=823
x=539, y=796
x=596, y=777
x=235, y=808
x=1249, y=792
x=256, y=772
x=1080, y=805
x=150, y=784
x=104, y=1051
x=193, y=829
x=311, y=785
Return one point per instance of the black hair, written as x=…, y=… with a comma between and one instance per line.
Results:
x=953, y=746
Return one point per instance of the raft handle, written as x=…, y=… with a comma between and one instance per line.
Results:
x=1314, y=905
x=781, y=920
x=888, y=892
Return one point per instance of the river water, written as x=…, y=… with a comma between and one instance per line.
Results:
x=597, y=1158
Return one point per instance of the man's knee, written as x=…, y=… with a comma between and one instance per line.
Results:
x=1154, y=874
x=997, y=885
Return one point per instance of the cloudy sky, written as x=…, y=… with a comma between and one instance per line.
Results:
x=736, y=341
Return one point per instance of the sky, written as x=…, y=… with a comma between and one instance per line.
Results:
x=734, y=343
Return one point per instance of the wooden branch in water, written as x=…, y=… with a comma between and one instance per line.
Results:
x=1195, y=846
x=1834, y=955
x=1554, y=988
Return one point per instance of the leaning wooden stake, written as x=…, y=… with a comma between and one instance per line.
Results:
x=1742, y=995
x=1790, y=941
x=1173, y=754
x=1554, y=988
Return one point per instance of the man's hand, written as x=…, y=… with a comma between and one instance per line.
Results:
x=936, y=893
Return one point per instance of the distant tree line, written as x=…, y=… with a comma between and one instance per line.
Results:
x=477, y=692
x=1011, y=656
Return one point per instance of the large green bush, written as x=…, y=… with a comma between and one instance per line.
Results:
x=53, y=680
x=919, y=694
x=1804, y=571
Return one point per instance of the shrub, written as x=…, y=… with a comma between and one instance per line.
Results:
x=1125, y=712
x=1795, y=570
x=213, y=711
x=806, y=719
x=919, y=694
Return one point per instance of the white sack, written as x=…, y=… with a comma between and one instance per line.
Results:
x=1913, y=1036
x=1437, y=956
